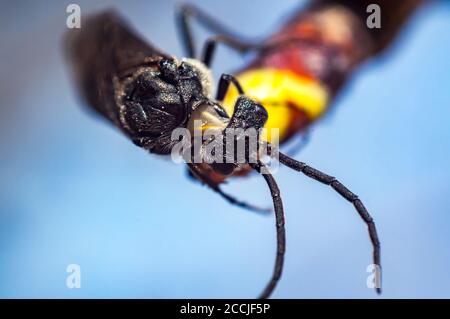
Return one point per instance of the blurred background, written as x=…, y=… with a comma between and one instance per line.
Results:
x=73, y=190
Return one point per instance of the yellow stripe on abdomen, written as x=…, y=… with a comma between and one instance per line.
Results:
x=279, y=91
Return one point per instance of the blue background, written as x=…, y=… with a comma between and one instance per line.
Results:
x=74, y=190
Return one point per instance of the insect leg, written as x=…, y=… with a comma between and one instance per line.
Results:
x=244, y=46
x=210, y=45
x=216, y=188
x=281, y=232
x=224, y=35
x=184, y=15
x=345, y=193
x=182, y=19
x=224, y=84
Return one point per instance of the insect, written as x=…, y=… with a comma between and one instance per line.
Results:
x=148, y=94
